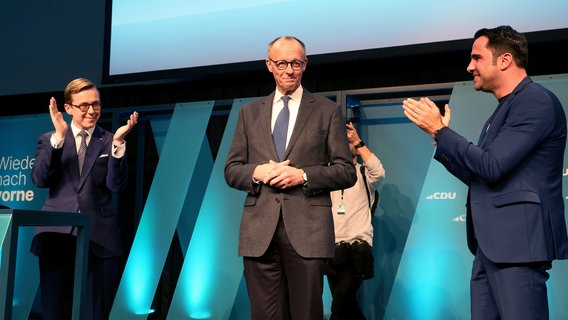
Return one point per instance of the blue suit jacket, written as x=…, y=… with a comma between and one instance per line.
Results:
x=58, y=170
x=515, y=209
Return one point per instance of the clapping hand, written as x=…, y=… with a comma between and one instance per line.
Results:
x=121, y=132
x=57, y=118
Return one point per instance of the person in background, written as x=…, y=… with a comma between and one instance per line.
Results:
x=515, y=207
x=352, y=216
x=288, y=167
x=82, y=165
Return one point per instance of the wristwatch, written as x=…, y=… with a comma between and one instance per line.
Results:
x=359, y=145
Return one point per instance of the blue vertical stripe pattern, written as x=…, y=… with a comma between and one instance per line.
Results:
x=162, y=210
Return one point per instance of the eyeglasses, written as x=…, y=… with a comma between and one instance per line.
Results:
x=84, y=107
x=283, y=64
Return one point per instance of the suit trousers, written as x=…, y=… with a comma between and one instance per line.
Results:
x=508, y=291
x=57, y=268
x=282, y=284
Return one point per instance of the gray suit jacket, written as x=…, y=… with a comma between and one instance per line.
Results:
x=318, y=145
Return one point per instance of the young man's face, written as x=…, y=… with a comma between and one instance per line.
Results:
x=88, y=118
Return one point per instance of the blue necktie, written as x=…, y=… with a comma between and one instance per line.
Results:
x=281, y=129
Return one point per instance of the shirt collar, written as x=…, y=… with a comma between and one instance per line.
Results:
x=76, y=130
x=296, y=95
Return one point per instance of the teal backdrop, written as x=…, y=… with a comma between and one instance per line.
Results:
x=421, y=259
x=17, y=151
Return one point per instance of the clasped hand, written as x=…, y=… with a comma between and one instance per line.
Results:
x=279, y=174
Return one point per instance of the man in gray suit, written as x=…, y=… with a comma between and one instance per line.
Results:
x=286, y=231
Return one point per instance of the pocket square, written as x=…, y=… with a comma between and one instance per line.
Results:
x=103, y=155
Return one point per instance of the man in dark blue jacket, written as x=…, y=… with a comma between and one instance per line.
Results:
x=515, y=207
x=82, y=165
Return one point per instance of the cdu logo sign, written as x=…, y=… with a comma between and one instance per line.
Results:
x=441, y=196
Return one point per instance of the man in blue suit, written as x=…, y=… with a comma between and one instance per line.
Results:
x=515, y=207
x=82, y=165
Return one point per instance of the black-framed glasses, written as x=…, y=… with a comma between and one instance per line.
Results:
x=283, y=64
x=84, y=107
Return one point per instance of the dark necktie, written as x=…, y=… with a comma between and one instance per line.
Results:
x=82, y=149
x=281, y=129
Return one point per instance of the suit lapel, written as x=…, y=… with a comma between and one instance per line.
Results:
x=304, y=112
x=498, y=118
x=492, y=124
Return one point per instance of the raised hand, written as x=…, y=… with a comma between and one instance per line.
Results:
x=352, y=135
x=57, y=118
x=121, y=132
